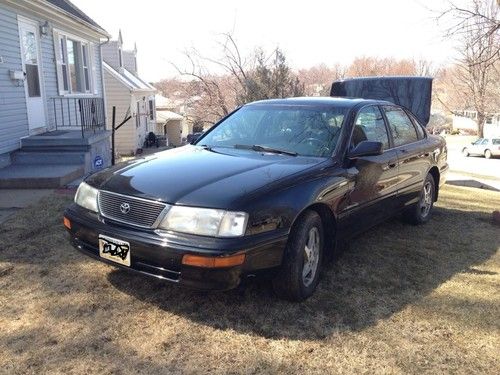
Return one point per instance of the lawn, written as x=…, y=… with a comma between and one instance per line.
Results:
x=402, y=299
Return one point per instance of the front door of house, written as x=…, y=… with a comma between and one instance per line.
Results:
x=30, y=54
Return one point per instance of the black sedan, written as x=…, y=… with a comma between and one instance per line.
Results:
x=273, y=187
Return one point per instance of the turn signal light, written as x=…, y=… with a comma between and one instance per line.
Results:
x=67, y=223
x=213, y=262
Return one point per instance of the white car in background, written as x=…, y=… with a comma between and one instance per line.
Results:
x=487, y=147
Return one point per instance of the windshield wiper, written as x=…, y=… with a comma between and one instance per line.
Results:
x=261, y=148
x=205, y=147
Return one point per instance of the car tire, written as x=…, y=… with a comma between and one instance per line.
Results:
x=298, y=276
x=487, y=154
x=421, y=212
x=465, y=152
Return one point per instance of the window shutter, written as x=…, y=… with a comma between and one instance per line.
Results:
x=93, y=61
x=58, y=61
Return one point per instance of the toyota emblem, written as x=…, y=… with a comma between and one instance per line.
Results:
x=125, y=208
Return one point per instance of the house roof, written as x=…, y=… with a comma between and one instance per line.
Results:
x=73, y=10
x=131, y=81
x=163, y=102
x=165, y=116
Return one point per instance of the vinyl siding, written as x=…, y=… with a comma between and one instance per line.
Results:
x=13, y=113
x=119, y=96
x=129, y=61
x=110, y=54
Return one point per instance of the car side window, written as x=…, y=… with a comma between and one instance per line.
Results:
x=402, y=128
x=478, y=142
x=370, y=126
x=420, y=130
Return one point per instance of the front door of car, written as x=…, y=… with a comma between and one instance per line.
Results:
x=374, y=179
x=413, y=156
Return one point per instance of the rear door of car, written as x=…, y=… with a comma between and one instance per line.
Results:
x=477, y=147
x=411, y=147
x=372, y=197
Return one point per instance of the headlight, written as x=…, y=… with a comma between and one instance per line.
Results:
x=205, y=221
x=86, y=196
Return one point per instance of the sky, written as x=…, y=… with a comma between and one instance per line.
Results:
x=309, y=32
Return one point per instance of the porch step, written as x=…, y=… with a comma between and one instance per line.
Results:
x=37, y=176
x=47, y=157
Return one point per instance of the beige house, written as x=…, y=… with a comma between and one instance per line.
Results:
x=169, y=123
x=130, y=94
x=466, y=120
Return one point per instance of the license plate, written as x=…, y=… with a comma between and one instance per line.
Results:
x=117, y=251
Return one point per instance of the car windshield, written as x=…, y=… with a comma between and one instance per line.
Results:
x=290, y=129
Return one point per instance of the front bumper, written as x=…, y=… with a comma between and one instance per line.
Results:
x=160, y=255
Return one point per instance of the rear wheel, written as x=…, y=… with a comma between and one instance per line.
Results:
x=465, y=152
x=299, y=275
x=487, y=154
x=422, y=211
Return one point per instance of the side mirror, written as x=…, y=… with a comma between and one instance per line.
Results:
x=366, y=148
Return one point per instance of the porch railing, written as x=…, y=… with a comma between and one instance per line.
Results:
x=86, y=114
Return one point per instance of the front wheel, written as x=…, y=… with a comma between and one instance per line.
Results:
x=487, y=154
x=299, y=274
x=421, y=212
x=465, y=152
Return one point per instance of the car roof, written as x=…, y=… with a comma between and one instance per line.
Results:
x=320, y=101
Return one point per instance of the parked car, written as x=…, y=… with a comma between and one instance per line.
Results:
x=191, y=138
x=487, y=147
x=272, y=188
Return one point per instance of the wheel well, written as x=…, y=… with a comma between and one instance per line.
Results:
x=434, y=172
x=329, y=224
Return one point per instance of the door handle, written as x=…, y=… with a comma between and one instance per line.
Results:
x=389, y=166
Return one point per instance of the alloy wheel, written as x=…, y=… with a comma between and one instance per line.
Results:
x=426, y=199
x=311, y=256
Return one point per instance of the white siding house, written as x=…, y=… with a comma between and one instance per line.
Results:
x=130, y=95
x=169, y=123
x=466, y=121
x=50, y=76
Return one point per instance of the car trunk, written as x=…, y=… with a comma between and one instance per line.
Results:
x=413, y=93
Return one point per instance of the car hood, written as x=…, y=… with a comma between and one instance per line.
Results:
x=194, y=176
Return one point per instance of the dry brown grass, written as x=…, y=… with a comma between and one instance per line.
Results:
x=403, y=299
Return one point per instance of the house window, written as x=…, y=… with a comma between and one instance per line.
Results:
x=138, y=116
x=74, y=60
x=64, y=64
x=151, y=110
x=85, y=65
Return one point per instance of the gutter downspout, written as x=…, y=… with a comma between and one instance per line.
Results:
x=102, y=81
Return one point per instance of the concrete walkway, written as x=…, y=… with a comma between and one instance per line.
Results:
x=12, y=200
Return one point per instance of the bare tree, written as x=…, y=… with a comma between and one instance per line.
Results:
x=231, y=79
x=476, y=75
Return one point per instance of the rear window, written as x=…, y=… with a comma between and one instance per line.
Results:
x=402, y=128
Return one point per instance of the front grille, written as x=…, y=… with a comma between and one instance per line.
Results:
x=141, y=212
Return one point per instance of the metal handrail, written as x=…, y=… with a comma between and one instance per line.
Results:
x=88, y=114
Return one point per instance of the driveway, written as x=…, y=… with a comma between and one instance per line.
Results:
x=473, y=171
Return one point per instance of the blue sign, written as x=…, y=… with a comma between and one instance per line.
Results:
x=98, y=162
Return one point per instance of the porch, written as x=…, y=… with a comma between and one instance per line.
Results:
x=54, y=159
